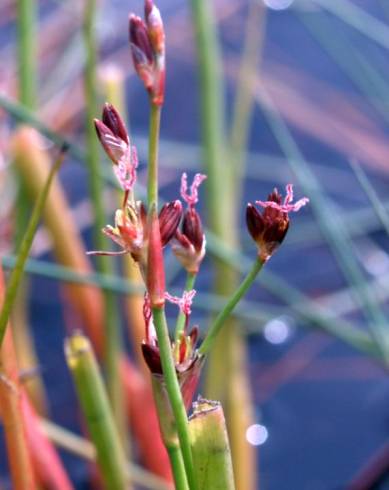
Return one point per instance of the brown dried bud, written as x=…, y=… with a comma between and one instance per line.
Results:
x=189, y=245
x=169, y=219
x=147, y=41
x=192, y=228
x=113, y=120
x=112, y=134
x=141, y=48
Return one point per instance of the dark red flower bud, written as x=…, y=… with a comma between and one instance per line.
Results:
x=192, y=228
x=169, y=219
x=147, y=41
x=152, y=357
x=268, y=229
x=113, y=120
x=139, y=40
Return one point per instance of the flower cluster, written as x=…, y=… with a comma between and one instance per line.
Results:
x=268, y=229
x=143, y=233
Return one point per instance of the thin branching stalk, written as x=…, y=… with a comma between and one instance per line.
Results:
x=180, y=324
x=152, y=179
x=229, y=307
x=164, y=345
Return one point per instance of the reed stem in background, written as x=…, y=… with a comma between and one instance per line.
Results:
x=228, y=352
x=22, y=474
x=17, y=272
x=27, y=51
x=113, y=344
x=244, y=98
x=96, y=409
x=27, y=94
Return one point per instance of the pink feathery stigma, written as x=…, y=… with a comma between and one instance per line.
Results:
x=192, y=198
x=287, y=206
x=125, y=170
x=184, y=303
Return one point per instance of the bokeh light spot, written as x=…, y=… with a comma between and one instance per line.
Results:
x=257, y=434
x=278, y=4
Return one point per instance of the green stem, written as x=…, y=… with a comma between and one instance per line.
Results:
x=174, y=392
x=24, y=250
x=178, y=468
x=229, y=307
x=95, y=406
x=180, y=324
x=152, y=179
x=96, y=186
x=27, y=50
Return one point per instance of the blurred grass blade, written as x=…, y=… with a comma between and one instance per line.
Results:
x=24, y=250
x=210, y=446
x=22, y=114
x=47, y=465
x=377, y=204
x=33, y=164
x=333, y=230
x=351, y=60
x=357, y=17
x=84, y=449
x=19, y=458
x=96, y=409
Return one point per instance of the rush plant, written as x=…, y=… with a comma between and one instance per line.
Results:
x=173, y=355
